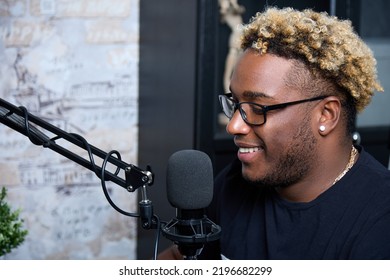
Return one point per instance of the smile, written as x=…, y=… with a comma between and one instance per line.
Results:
x=248, y=150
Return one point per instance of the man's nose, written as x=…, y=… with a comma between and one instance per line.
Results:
x=237, y=125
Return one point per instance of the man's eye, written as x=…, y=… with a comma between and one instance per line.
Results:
x=257, y=110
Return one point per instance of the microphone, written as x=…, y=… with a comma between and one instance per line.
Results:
x=190, y=190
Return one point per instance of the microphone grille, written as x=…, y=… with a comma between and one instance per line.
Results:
x=190, y=180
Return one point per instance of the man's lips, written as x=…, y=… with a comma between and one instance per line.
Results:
x=248, y=152
x=248, y=147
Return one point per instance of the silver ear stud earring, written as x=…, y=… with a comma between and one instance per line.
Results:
x=322, y=128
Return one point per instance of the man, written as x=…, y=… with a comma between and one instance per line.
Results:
x=300, y=189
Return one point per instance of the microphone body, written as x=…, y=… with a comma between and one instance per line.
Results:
x=190, y=190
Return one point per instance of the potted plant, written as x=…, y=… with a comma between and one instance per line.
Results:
x=11, y=232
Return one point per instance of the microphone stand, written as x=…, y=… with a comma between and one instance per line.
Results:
x=19, y=119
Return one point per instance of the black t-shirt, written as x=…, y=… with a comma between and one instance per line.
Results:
x=351, y=220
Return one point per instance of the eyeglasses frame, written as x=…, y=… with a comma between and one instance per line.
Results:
x=265, y=108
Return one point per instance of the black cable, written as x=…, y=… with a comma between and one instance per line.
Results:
x=90, y=154
x=33, y=138
x=104, y=187
x=157, y=236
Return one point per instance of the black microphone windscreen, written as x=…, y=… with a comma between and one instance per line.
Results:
x=190, y=180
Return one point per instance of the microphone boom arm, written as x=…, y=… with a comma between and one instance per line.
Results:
x=18, y=118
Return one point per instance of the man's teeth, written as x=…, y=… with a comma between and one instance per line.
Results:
x=249, y=150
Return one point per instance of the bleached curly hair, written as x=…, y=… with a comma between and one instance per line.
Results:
x=327, y=45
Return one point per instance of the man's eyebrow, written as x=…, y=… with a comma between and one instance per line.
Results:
x=252, y=95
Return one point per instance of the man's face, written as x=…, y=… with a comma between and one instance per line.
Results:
x=280, y=152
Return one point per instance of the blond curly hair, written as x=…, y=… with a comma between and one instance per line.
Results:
x=324, y=43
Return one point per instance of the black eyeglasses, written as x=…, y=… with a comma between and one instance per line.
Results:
x=253, y=113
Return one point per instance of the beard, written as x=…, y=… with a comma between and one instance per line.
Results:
x=294, y=164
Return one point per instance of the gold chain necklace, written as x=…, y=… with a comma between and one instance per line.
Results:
x=349, y=165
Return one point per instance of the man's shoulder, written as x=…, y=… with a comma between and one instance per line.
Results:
x=369, y=167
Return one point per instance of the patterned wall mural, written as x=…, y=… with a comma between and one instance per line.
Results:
x=73, y=63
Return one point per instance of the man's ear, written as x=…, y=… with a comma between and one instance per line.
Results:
x=328, y=115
